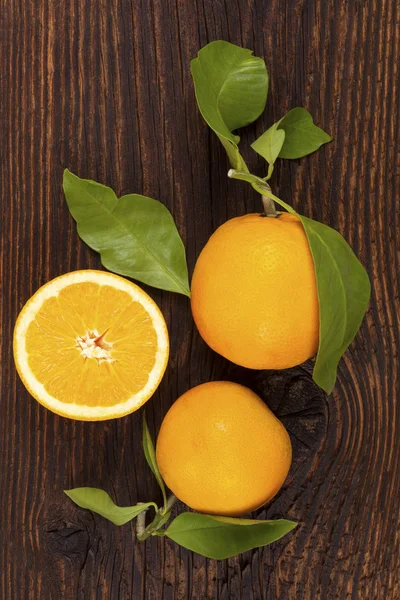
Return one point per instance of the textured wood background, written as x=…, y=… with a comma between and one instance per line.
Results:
x=103, y=87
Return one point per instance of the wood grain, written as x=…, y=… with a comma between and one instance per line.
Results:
x=104, y=89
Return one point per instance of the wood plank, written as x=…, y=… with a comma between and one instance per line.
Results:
x=104, y=88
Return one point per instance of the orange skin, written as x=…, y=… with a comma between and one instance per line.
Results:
x=222, y=451
x=254, y=295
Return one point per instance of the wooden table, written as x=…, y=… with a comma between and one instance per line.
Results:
x=103, y=87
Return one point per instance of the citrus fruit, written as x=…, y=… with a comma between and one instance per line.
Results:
x=91, y=345
x=221, y=450
x=254, y=295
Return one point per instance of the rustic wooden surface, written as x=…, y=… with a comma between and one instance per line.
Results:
x=103, y=87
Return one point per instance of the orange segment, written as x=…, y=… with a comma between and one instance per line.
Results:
x=91, y=345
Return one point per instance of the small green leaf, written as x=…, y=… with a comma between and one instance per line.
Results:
x=231, y=87
x=150, y=454
x=100, y=502
x=135, y=235
x=342, y=283
x=293, y=136
x=269, y=144
x=223, y=537
x=302, y=137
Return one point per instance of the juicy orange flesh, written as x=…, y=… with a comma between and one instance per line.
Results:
x=55, y=358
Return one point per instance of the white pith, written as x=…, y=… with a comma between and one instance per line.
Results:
x=73, y=410
x=89, y=348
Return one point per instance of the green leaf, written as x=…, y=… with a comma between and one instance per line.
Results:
x=100, y=502
x=302, y=137
x=150, y=455
x=293, y=136
x=343, y=292
x=135, y=235
x=342, y=283
x=231, y=87
x=223, y=537
x=269, y=144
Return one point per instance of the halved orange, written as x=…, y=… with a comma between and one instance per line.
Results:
x=90, y=345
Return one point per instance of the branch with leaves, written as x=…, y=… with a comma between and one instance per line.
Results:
x=209, y=535
x=231, y=90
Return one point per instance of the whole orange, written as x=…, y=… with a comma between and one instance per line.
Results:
x=221, y=450
x=254, y=296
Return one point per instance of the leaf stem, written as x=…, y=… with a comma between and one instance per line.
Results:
x=169, y=504
x=261, y=187
x=154, y=528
